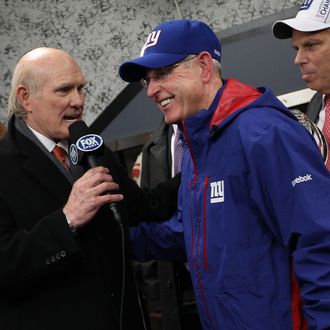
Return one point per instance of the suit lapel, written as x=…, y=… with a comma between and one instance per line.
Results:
x=314, y=107
x=160, y=148
x=41, y=167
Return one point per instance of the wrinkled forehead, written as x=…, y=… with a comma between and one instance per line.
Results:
x=61, y=72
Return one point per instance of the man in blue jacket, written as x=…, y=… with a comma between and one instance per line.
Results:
x=254, y=196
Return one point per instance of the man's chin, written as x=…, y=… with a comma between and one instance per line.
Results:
x=171, y=119
x=315, y=87
x=64, y=133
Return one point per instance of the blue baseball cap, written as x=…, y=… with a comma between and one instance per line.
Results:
x=169, y=43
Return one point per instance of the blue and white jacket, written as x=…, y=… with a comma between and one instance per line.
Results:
x=254, y=212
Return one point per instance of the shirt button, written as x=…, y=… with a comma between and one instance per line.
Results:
x=52, y=258
x=63, y=253
x=47, y=261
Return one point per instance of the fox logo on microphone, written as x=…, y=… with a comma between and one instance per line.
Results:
x=89, y=142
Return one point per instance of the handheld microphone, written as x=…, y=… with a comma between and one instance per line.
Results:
x=86, y=148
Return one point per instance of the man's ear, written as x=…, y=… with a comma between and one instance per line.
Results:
x=206, y=64
x=23, y=97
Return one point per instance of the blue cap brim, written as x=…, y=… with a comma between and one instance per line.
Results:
x=134, y=70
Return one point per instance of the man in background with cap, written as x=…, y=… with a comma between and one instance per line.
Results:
x=310, y=33
x=254, y=195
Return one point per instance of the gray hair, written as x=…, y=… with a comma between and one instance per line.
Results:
x=26, y=75
x=216, y=66
x=216, y=63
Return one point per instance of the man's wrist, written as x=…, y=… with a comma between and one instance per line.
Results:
x=73, y=229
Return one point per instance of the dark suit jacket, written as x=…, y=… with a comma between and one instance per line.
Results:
x=49, y=278
x=156, y=157
x=174, y=287
x=314, y=107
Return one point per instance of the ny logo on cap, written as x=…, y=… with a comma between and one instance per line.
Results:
x=306, y=4
x=151, y=41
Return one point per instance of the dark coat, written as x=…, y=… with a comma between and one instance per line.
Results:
x=156, y=157
x=314, y=107
x=173, y=286
x=49, y=278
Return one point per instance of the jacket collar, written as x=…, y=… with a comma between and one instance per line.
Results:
x=234, y=96
x=231, y=98
x=37, y=161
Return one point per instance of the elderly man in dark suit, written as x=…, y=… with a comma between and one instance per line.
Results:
x=64, y=262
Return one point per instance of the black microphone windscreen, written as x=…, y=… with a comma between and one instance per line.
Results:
x=77, y=130
x=85, y=146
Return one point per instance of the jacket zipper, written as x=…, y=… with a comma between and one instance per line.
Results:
x=206, y=183
x=197, y=267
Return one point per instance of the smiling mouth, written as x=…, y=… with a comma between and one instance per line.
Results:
x=166, y=101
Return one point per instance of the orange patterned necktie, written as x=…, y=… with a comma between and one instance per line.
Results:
x=326, y=127
x=61, y=155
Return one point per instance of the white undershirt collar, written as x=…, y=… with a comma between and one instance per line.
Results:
x=48, y=143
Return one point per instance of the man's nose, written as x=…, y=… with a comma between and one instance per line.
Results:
x=153, y=87
x=77, y=98
x=300, y=57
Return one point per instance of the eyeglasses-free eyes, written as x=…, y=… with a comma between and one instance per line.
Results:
x=161, y=74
